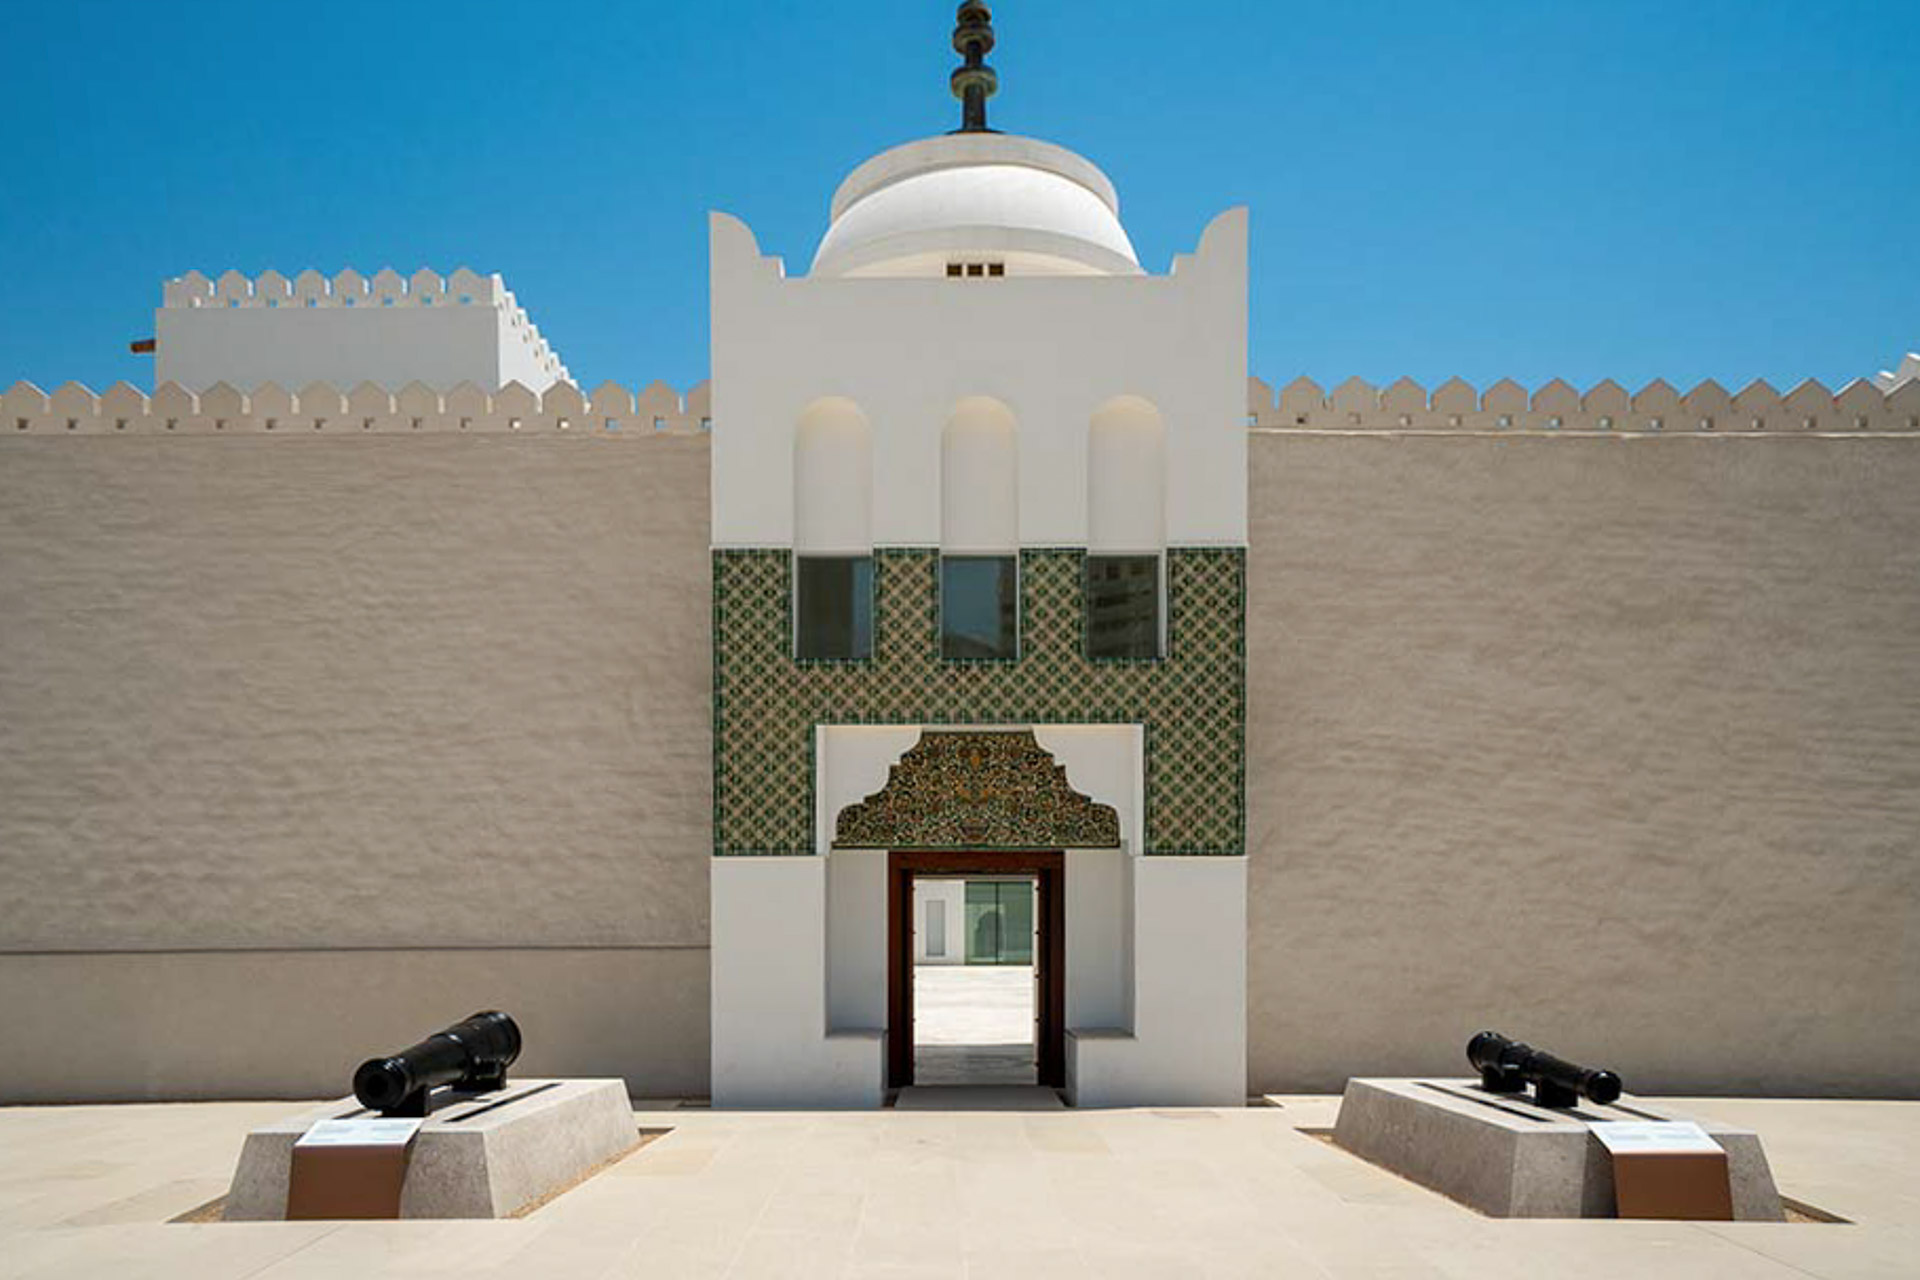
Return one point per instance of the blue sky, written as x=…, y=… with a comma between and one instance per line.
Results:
x=1493, y=189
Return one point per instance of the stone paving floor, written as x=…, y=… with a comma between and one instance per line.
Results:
x=86, y=1191
x=973, y=1024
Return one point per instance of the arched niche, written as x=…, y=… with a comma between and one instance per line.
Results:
x=1126, y=477
x=980, y=479
x=833, y=479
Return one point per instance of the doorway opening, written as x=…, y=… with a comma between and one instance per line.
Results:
x=976, y=973
x=973, y=980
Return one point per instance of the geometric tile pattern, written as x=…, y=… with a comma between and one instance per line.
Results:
x=1192, y=702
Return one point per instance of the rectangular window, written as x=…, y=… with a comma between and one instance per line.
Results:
x=1123, y=606
x=936, y=928
x=999, y=922
x=833, y=607
x=979, y=607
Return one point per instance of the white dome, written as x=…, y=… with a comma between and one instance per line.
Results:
x=1038, y=208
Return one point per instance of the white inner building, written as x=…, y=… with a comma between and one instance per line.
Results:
x=970, y=462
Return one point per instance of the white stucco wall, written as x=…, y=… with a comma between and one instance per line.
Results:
x=856, y=959
x=1127, y=478
x=772, y=1045
x=1100, y=938
x=388, y=331
x=833, y=479
x=1187, y=1043
x=908, y=351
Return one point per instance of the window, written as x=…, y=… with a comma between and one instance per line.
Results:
x=936, y=928
x=1123, y=606
x=833, y=608
x=999, y=922
x=979, y=607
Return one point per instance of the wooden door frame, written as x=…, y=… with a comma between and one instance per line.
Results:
x=1048, y=867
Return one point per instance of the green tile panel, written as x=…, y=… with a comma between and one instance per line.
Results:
x=1192, y=702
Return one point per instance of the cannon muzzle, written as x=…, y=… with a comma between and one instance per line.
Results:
x=471, y=1055
x=1508, y=1066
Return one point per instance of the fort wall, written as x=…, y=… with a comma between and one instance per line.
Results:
x=310, y=743
x=1606, y=741
x=315, y=736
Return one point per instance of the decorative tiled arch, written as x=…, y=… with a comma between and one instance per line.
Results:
x=977, y=789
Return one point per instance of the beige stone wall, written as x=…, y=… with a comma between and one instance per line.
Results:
x=294, y=1024
x=283, y=720
x=1612, y=744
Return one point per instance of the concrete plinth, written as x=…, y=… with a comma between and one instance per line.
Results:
x=1510, y=1158
x=484, y=1157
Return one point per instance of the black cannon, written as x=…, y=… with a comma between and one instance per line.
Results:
x=1507, y=1066
x=472, y=1056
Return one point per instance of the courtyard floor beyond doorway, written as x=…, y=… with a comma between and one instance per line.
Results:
x=973, y=1024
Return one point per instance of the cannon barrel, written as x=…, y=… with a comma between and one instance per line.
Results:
x=473, y=1054
x=1508, y=1066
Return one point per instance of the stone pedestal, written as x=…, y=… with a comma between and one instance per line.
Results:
x=1510, y=1158
x=487, y=1156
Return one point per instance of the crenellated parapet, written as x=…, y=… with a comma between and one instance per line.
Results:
x=609, y=410
x=1891, y=380
x=524, y=350
x=1889, y=402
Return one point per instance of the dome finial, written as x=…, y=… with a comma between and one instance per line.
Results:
x=974, y=82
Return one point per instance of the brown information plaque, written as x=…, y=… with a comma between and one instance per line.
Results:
x=1690, y=1185
x=350, y=1169
x=1667, y=1170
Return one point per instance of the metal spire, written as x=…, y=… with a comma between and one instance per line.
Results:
x=973, y=82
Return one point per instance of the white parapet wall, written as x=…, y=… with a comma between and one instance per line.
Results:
x=388, y=330
x=123, y=409
x=1888, y=401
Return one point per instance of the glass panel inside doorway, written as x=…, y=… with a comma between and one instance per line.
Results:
x=1000, y=922
x=974, y=981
